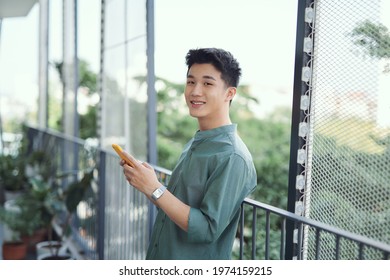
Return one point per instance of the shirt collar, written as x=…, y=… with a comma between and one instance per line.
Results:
x=203, y=134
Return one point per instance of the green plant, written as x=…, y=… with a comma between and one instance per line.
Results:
x=48, y=200
x=57, y=201
x=12, y=173
x=17, y=169
x=19, y=219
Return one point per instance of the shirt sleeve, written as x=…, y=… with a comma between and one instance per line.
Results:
x=226, y=188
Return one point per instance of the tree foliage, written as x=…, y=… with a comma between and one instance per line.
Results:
x=87, y=80
x=374, y=38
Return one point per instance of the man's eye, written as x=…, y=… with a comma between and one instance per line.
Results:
x=190, y=82
x=208, y=84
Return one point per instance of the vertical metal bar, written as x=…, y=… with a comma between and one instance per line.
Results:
x=129, y=193
x=254, y=233
x=75, y=71
x=318, y=245
x=299, y=245
x=296, y=117
x=152, y=99
x=102, y=103
x=126, y=104
x=101, y=223
x=43, y=113
x=267, y=222
x=361, y=251
x=76, y=87
x=282, y=240
x=62, y=78
x=101, y=205
x=242, y=231
x=152, y=96
x=64, y=161
x=1, y=122
x=337, y=247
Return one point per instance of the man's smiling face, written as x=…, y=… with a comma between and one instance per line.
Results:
x=206, y=94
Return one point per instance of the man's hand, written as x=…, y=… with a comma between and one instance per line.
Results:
x=142, y=176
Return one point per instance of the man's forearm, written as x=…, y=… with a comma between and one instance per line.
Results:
x=175, y=209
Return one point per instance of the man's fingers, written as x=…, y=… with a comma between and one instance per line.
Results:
x=147, y=165
x=130, y=159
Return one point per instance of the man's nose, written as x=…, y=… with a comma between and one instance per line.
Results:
x=196, y=90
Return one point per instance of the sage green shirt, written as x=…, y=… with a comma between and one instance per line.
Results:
x=213, y=176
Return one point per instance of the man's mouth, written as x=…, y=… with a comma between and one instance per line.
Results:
x=198, y=102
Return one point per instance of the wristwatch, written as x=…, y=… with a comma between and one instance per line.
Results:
x=158, y=192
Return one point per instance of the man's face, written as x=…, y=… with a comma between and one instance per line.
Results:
x=206, y=94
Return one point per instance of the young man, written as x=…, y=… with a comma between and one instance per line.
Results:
x=199, y=209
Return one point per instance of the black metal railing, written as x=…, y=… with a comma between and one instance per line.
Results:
x=306, y=229
x=114, y=221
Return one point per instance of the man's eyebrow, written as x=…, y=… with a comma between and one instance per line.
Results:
x=204, y=77
x=209, y=77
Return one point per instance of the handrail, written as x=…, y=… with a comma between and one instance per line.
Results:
x=319, y=226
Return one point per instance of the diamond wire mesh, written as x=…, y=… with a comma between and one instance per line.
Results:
x=348, y=164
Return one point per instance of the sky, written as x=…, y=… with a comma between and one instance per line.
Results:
x=259, y=33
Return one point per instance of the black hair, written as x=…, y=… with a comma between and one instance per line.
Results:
x=220, y=59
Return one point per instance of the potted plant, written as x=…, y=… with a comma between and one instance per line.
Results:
x=45, y=195
x=33, y=201
x=60, y=203
x=13, y=180
x=17, y=172
x=19, y=224
x=17, y=168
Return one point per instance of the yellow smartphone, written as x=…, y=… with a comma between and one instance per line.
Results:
x=119, y=151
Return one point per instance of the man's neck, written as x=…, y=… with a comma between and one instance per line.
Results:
x=207, y=125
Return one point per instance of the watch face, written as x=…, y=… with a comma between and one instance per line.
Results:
x=157, y=193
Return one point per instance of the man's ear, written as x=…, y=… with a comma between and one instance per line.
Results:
x=231, y=92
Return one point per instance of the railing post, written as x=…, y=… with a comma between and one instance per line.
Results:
x=152, y=99
x=268, y=228
x=254, y=216
x=297, y=115
x=242, y=231
x=101, y=203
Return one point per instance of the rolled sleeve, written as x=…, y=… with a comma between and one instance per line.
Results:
x=197, y=225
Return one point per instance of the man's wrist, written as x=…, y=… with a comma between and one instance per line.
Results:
x=157, y=193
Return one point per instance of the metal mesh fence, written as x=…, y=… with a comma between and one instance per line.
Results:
x=348, y=145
